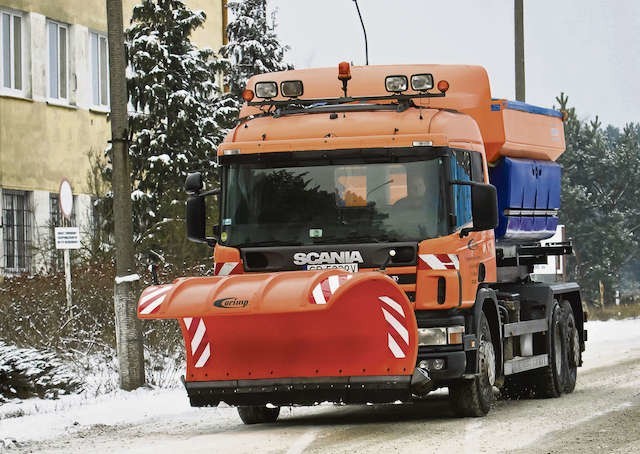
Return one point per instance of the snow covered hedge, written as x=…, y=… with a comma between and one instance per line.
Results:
x=27, y=372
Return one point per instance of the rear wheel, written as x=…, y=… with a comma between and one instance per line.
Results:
x=549, y=380
x=571, y=347
x=474, y=397
x=258, y=414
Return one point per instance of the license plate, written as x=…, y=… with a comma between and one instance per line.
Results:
x=350, y=267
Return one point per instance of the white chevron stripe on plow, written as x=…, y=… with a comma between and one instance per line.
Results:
x=334, y=283
x=400, y=329
x=318, y=295
x=393, y=304
x=187, y=322
x=153, y=294
x=197, y=337
x=204, y=357
x=152, y=306
x=394, y=347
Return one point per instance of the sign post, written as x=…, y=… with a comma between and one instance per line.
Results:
x=67, y=238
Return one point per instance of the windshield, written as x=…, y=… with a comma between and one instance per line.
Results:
x=326, y=201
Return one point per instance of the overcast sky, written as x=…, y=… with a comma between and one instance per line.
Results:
x=589, y=49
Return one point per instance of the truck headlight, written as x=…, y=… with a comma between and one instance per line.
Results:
x=432, y=336
x=450, y=335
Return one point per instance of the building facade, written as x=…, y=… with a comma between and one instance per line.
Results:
x=54, y=104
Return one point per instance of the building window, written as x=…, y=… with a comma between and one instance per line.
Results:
x=16, y=219
x=58, y=37
x=99, y=69
x=11, y=45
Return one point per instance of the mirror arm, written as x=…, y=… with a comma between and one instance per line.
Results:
x=466, y=183
x=465, y=231
x=215, y=191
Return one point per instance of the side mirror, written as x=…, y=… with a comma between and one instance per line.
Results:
x=193, y=184
x=484, y=206
x=196, y=219
x=196, y=215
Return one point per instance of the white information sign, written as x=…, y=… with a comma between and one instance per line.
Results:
x=67, y=237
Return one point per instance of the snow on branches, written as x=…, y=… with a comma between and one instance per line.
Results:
x=27, y=372
x=253, y=47
x=175, y=122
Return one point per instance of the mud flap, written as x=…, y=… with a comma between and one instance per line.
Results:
x=300, y=324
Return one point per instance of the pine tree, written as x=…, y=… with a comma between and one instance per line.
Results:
x=175, y=124
x=253, y=48
x=600, y=189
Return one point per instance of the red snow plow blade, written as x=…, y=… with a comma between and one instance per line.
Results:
x=291, y=338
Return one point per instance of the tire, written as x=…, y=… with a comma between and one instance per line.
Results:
x=258, y=414
x=571, y=347
x=549, y=380
x=474, y=397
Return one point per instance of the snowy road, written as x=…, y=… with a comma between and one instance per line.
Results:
x=602, y=415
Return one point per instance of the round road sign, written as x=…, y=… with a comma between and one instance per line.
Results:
x=66, y=198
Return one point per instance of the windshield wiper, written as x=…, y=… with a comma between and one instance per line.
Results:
x=355, y=238
x=270, y=243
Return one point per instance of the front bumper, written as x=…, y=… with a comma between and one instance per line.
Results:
x=455, y=364
x=301, y=391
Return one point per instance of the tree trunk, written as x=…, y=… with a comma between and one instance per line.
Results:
x=128, y=331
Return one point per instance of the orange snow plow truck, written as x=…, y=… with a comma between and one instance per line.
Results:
x=378, y=228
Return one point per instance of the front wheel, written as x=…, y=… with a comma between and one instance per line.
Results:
x=474, y=397
x=258, y=414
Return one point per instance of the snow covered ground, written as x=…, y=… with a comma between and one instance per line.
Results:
x=37, y=419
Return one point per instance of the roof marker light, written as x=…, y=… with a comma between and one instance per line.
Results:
x=443, y=86
x=266, y=89
x=422, y=143
x=344, y=70
x=247, y=95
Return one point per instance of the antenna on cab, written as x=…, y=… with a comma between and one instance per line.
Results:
x=366, y=46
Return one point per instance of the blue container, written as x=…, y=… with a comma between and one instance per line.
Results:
x=528, y=199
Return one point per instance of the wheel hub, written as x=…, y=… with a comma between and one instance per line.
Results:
x=487, y=358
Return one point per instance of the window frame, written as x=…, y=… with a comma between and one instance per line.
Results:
x=14, y=242
x=13, y=15
x=97, y=73
x=67, y=72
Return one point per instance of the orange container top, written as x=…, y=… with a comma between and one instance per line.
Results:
x=507, y=128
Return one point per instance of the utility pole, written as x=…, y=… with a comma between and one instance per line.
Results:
x=519, y=48
x=128, y=329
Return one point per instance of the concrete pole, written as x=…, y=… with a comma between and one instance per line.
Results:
x=128, y=330
x=519, y=49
